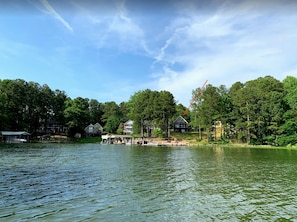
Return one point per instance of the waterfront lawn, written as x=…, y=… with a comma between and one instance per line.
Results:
x=185, y=136
x=87, y=140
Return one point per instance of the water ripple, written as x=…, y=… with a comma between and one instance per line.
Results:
x=120, y=183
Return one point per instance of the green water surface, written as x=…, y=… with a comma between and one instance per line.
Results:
x=93, y=182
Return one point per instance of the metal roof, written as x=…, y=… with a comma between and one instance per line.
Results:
x=180, y=119
x=14, y=133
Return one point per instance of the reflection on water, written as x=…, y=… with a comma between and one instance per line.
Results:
x=95, y=182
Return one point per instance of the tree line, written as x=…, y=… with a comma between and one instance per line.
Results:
x=260, y=111
x=30, y=106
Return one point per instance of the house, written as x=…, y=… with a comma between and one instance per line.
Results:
x=128, y=127
x=51, y=126
x=147, y=127
x=180, y=125
x=93, y=130
x=14, y=136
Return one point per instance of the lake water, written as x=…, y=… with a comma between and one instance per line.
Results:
x=93, y=182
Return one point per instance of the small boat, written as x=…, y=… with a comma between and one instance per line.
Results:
x=17, y=140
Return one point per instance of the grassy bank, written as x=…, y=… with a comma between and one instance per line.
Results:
x=185, y=136
x=192, y=139
x=87, y=140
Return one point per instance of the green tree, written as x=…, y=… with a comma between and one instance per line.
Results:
x=209, y=109
x=96, y=111
x=195, y=112
x=151, y=108
x=77, y=114
x=111, y=117
x=14, y=92
x=225, y=109
x=4, y=118
x=45, y=104
x=140, y=109
x=59, y=105
x=25, y=105
x=109, y=109
x=112, y=124
x=123, y=108
x=260, y=107
x=288, y=130
x=290, y=88
x=179, y=111
x=164, y=110
x=236, y=121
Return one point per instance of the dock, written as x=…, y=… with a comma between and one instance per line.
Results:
x=139, y=141
x=117, y=139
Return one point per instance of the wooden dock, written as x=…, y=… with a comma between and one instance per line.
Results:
x=139, y=141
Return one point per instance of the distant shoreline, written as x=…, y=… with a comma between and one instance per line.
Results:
x=157, y=142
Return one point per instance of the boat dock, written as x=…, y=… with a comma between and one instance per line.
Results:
x=140, y=141
x=117, y=139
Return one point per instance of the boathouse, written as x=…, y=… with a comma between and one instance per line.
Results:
x=14, y=136
x=117, y=139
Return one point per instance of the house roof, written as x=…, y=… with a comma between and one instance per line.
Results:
x=129, y=122
x=180, y=119
x=94, y=128
x=98, y=126
x=14, y=133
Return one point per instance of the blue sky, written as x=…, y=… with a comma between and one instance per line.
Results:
x=107, y=50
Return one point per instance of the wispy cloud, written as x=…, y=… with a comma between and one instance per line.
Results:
x=221, y=41
x=55, y=14
x=130, y=34
x=227, y=44
x=109, y=22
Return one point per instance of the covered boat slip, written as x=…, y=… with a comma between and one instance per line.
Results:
x=125, y=139
x=143, y=141
x=14, y=136
x=117, y=139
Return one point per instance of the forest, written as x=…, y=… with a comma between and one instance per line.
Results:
x=260, y=111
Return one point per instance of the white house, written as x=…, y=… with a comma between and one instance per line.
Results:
x=128, y=127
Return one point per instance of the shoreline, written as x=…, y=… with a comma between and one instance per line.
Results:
x=158, y=142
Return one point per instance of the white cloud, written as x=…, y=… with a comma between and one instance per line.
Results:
x=124, y=25
x=226, y=45
x=108, y=24
x=53, y=12
x=130, y=34
x=219, y=41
